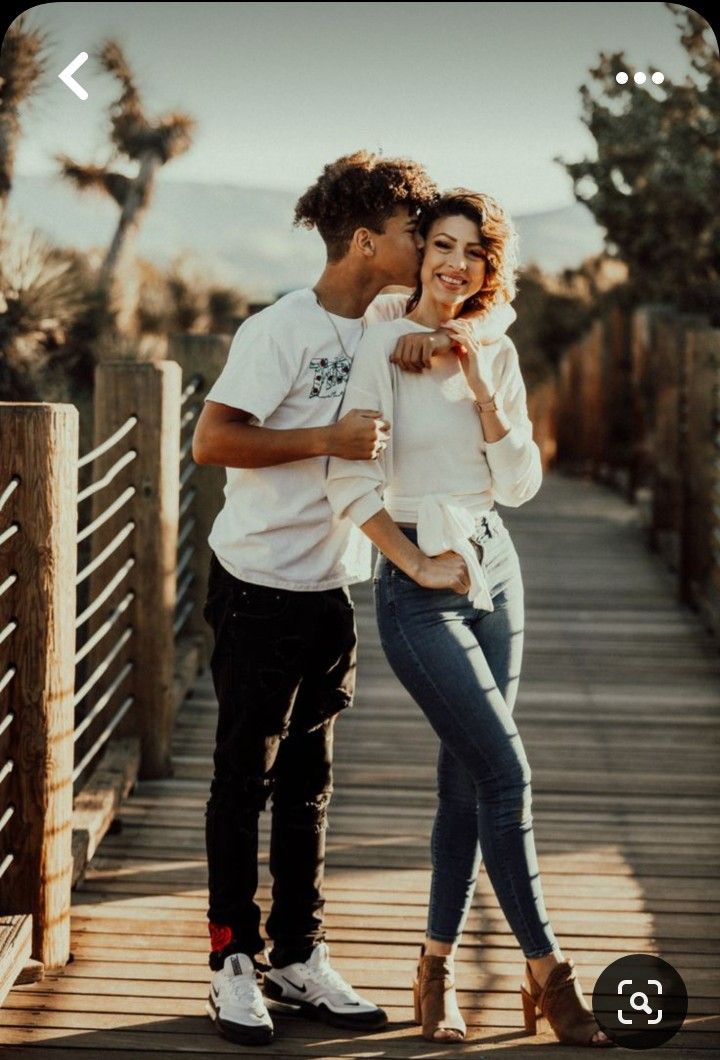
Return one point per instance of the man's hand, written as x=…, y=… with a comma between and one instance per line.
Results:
x=361, y=434
x=414, y=351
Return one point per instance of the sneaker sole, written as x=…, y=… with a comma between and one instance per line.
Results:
x=236, y=1032
x=365, y=1021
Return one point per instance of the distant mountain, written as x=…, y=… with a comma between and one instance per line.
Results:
x=246, y=234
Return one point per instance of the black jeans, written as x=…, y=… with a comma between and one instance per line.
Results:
x=283, y=666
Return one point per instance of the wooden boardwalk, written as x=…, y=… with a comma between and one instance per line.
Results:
x=619, y=711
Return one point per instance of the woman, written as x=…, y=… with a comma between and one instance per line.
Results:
x=449, y=596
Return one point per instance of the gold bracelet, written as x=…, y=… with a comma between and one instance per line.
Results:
x=493, y=405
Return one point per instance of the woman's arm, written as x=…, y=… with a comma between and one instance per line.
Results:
x=512, y=455
x=514, y=459
x=355, y=488
x=446, y=571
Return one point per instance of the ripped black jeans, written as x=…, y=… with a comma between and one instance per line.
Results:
x=283, y=666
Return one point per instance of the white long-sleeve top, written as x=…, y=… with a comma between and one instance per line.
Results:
x=437, y=449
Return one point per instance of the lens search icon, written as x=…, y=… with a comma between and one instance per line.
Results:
x=640, y=1002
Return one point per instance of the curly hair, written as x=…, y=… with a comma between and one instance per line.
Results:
x=361, y=190
x=497, y=236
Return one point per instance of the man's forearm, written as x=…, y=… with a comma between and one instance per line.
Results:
x=248, y=446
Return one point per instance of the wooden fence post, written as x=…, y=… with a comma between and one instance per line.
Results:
x=40, y=445
x=150, y=391
x=700, y=464
x=206, y=355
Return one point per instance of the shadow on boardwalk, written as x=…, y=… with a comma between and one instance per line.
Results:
x=618, y=711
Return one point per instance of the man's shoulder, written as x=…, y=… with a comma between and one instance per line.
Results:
x=383, y=334
x=386, y=328
x=277, y=325
x=389, y=305
x=280, y=312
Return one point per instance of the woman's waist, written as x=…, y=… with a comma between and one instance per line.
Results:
x=409, y=511
x=405, y=509
x=488, y=524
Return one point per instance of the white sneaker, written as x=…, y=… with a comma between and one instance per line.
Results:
x=318, y=990
x=235, y=1003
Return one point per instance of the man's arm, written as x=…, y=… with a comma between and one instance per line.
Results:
x=225, y=437
x=415, y=351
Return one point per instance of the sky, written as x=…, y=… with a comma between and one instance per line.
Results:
x=484, y=94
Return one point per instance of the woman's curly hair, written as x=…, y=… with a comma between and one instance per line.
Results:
x=497, y=235
x=361, y=190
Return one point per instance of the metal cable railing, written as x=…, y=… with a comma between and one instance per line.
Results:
x=114, y=438
x=101, y=623
x=7, y=673
x=108, y=476
x=184, y=601
x=79, y=590
x=9, y=532
x=9, y=490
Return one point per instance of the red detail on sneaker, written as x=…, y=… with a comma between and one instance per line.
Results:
x=220, y=936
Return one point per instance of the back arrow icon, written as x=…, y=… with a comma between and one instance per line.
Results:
x=66, y=76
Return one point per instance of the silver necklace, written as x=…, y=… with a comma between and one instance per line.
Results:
x=334, y=326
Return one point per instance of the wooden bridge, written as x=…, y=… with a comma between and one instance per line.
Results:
x=618, y=709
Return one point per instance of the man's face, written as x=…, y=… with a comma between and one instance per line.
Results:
x=398, y=249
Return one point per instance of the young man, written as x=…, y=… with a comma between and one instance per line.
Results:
x=284, y=658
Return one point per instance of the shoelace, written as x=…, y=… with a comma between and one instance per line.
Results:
x=246, y=989
x=329, y=977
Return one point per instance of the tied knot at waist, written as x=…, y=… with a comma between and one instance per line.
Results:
x=444, y=525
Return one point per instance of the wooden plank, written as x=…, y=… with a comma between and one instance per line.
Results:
x=189, y=660
x=392, y=1044
x=97, y=804
x=15, y=948
x=147, y=1023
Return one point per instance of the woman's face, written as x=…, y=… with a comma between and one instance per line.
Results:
x=453, y=266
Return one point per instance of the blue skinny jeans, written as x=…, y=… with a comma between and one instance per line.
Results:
x=462, y=666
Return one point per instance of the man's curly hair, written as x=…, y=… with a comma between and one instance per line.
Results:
x=361, y=190
x=497, y=236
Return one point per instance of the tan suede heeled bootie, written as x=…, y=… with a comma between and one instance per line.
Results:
x=563, y=1005
x=436, y=1007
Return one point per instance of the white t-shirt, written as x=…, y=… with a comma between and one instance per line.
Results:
x=286, y=367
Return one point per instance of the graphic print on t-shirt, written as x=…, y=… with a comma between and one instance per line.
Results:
x=329, y=376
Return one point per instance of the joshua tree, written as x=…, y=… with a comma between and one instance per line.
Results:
x=23, y=61
x=147, y=145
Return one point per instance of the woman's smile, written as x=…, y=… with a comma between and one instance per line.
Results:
x=451, y=281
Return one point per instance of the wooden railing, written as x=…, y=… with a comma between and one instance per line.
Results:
x=38, y=549
x=187, y=543
x=94, y=653
x=638, y=405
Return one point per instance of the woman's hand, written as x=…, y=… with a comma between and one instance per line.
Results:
x=473, y=356
x=446, y=571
